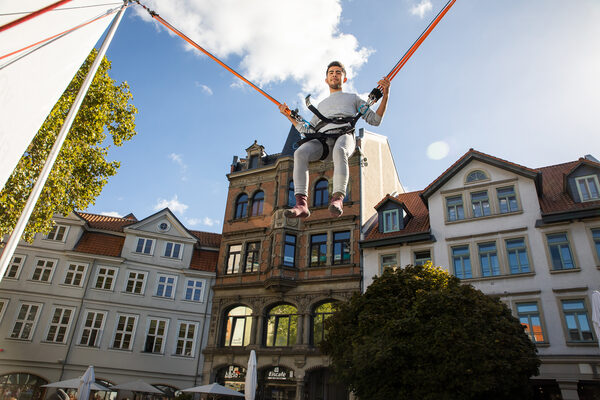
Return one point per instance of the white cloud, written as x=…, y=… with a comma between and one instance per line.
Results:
x=111, y=214
x=207, y=90
x=438, y=150
x=271, y=37
x=178, y=159
x=174, y=205
x=422, y=8
x=206, y=221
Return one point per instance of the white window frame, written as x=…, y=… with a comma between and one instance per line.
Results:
x=415, y=251
x=55, y=230
x=33, y=323
x=163, y=337
x=104, y=276
x=132, y=333
x=75, y=273
x=185, y=339
x=19, y=267
x=67, y=327
x=194, y=289
x=52, y=269
x=166, y=284
x=100, y=330
x=585, y=181
x=393, y=212
x=145, y=240
x=381, y=264
x=144, y=280
x=173, y=244
x=3, y=307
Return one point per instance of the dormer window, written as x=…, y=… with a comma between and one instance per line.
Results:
x=588, y=188
x=391, y=220
x=475, y=176
x=253, y=162
x=57, y=233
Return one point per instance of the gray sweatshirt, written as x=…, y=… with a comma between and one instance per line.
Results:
x=340, y=104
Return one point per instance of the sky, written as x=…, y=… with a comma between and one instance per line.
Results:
x=517, y=79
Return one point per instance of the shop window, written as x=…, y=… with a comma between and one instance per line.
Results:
x=238, y=326
x=282, y=326
x=22, y=386
x=322, y=312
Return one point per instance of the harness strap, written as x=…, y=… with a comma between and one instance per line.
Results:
x=322, y=138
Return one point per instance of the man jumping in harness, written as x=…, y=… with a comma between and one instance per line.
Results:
x=333, y=131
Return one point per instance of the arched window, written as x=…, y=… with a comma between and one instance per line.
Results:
x=282, y=326
x=238, y=326
x=291, y=195
x=321, y=313
x=241, y=206
x=477, y=175
x=22, y=386
x=257, y=203
x=321, y=197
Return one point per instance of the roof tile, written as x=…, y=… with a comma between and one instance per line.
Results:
x=100, y=244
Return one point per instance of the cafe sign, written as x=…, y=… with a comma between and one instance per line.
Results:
x=235, y=372
x=279, y=374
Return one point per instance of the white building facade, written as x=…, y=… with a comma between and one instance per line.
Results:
x=132, y=298
x=528, y=236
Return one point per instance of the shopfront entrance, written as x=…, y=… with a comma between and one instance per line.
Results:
x=276, y=383
x=232, y=376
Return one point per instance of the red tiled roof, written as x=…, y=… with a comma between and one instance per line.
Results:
x=102, y=244
x=204, y=260
x=103, y=222
x=208, y=239
x=555, y=198
x=419, y=223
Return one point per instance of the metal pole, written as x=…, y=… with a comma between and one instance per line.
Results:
x=13, y=241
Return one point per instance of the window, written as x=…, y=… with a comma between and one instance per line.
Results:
x=529, y=316
x=252, y=257
x=321, y=196
x=560, y=251
x=577, y=321
x=173, y=250
x=253, y=162
x=488, y=259
x=145, y=246
x=421, y=257
x=476, y=176
x=481, y=204
x=587, y=186
x=596, y=238
x=44, y=269
x=58, y=233
x=241, y=206
x=59, y=324
x=282, y=326
x=257, y=203
x=291, y=195
x=26, y=321
x=186, y=339
x=92, y=328
x=156, y=335
x=194, y=289
x=289, y=251
x=233, y=258
x=341, y=248
x=124, y=333
x=388, y=261
x=238, y=327
x=462, y=262
x=106, y=278
x=75, y=274
x=136, y=282
x=518, y=261
x=166, y=286
x=3, y=303
x=14, y=268
x=318, y=250
x=391, y=221
x=507, y=199
x=322, y=312
x=454, y=206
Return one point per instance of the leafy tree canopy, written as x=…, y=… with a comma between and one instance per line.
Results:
x=81, y=169
x=418, y=333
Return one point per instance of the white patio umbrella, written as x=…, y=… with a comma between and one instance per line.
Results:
x=251, y=377
x=137, y=386
x=85, y=383
x=74, y=384
x=214, y=389
x=596, y=313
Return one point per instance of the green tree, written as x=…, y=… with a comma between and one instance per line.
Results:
x=81, y=169
x=418, y=333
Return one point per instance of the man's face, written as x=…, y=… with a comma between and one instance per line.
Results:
x=335, y=77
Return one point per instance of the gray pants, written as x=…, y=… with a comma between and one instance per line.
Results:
x=311, y=151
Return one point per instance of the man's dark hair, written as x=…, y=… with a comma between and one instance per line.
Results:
x=335, y=64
